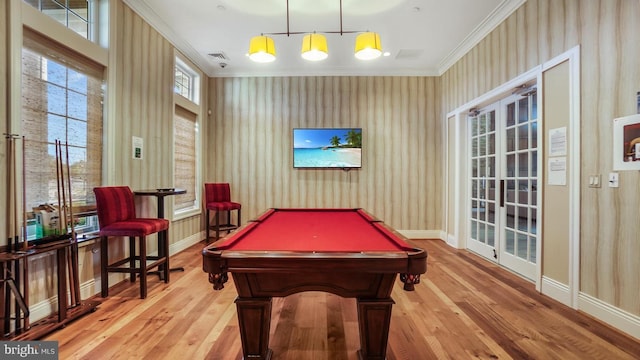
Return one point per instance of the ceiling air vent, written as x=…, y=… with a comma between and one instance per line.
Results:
x=220, y=56
x=409, y=53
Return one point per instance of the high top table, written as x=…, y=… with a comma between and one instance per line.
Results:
x=160, y=194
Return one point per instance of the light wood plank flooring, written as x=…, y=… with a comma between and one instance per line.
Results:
x=465, y=308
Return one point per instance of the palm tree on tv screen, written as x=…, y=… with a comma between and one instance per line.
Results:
x=354, y=138
x=335, y=141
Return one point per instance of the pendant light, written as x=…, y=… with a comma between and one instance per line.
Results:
x=314, y=47
x=368, y=46
x=262, y=49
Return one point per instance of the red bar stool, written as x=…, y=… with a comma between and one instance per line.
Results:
x=218, y=199
x=117, y=217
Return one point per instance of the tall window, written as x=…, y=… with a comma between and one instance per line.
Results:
x=186, y=139
x=73, y=14
x=61, y=100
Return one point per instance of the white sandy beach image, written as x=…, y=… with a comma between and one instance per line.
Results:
x=327, y=148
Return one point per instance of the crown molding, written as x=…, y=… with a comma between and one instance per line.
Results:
x=336, y=71
x=146, y=12
x=497, y=16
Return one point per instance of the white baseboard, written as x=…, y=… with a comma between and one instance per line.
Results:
x=186, y=243
x=49, y=306
x=609, y=314
x=597, y=308
x=556, y=290
x=452, y=241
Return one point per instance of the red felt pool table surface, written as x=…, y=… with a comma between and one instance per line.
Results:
x=322, y=230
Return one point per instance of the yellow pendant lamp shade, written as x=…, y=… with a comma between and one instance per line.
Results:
x=368, y=46
x=314, y=47
x=262, y=49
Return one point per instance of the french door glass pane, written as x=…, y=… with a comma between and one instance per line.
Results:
x=522, y=246
x=491, y=239
x=511, y=139
x=523, y=137
x=522, y=218
x=534, y=194
x=511, y=165
x=523, y=164
x=482, y=148
x=532, y=249
x=491, y=166
x=474, y=229
x=523, y=110
x=509, y=242
x=474, y=127
x=511, y=115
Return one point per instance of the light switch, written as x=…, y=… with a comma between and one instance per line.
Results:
x=613, y=180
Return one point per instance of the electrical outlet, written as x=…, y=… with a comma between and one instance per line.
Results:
x=613, y=180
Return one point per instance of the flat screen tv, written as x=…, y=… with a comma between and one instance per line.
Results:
x=326, y=148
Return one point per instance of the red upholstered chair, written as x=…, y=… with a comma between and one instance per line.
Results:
x=117, y=217
x=218, y=199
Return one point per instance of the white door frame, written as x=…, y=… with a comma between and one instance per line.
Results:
x=568, y=295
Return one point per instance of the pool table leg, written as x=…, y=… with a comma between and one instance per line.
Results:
x=254, y=318
x=374, y=317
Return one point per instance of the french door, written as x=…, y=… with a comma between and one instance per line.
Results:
x=503, y=184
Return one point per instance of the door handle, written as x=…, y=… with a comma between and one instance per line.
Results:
x=502, y=192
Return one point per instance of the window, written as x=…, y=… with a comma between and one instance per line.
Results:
x=183, y=83
x=73, y=14
x=185, y=162
x=62, y=95
x=186, y=82
x=186, y=139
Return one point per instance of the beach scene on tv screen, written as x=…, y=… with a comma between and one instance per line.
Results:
x=326, y=148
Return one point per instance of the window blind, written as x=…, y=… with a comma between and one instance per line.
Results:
x=185, y=171
x=62, y=97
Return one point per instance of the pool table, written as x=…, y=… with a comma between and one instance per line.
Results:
x=347, y=252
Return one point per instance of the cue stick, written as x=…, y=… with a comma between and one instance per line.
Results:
x=13, y=221
x=63, y=227
x=75, y=283
x=7, y=267
x=10, y=167
x=58, y=184
x=25, y=241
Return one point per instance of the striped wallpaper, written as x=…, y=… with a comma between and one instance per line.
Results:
x=608, y=33
x=249, y=144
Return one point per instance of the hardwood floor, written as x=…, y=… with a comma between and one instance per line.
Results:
x=464, y=308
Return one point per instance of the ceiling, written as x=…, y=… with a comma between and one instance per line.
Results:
x=421, y=37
